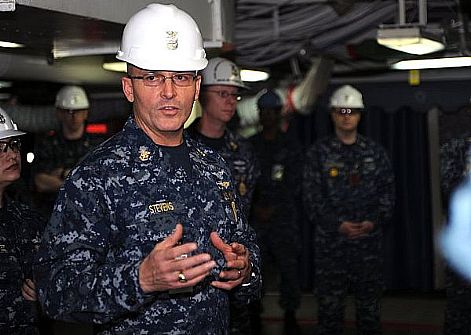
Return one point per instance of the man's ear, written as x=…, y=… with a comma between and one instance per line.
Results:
x=197, y=87
x=128, y=89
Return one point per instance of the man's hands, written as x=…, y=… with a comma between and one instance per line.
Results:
x=160, y=270
x=237, y=263
x=169, y=261
x=354, y=230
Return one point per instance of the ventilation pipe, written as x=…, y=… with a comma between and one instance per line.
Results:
x=463, y=29
x=298, y=98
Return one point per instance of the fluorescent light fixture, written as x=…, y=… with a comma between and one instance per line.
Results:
x=115, y=66
x=432, y=63
x=407, y=39
x=253, y=75
x=5, y=44
x=5, y=84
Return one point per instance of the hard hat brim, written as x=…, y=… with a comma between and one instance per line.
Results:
x=11, y=133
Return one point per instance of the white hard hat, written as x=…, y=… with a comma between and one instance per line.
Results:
x=162, y=37
x=221, y=71
x=8, y=128
x=72, y=97
x=347, y=96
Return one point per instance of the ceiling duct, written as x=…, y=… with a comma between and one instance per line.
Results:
x=464, y=14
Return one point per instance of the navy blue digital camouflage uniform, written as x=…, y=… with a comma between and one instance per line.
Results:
x=276, y=195
x=20, y=229
x=238, y=154
x=348, y=183
x=115, y=206
x=54, y=151
x=454, y=167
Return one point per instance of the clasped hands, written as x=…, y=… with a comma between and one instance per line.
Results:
x=165, y=269
x=354, y=230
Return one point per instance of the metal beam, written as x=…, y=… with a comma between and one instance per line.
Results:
x=214, y=17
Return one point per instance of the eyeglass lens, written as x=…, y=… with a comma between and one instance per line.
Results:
x=347, y=111
x=14, y=145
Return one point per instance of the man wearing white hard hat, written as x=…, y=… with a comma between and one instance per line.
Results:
x=348, y=192
x=20, y=231
x=147, y=236
x=59, y=151
x=219, y=96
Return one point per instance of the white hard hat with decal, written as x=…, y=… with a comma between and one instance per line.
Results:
x=8, y=128
x=72, y=98
x=347, y=97
x=221, y=71
x=162, y=37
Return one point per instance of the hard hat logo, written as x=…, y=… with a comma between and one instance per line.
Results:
x=235, y=71
x=2, y=119
x=172, y=40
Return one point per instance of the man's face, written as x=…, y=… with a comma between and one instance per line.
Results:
x=220, y=102
x=10, y=160
x=270, y=118
x=72, y=120
x=162, y=110
x=345, y=119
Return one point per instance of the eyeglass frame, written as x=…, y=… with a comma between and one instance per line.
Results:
x=225, y=94
x=14, y=144
x=164, y=78
x=346, y=111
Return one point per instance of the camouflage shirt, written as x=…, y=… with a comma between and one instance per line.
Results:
x=281, y=164
x=454, y=164
x=55, y=151
x=120, y=201
x=347, y=183
x=20, y=229
x=239, y=155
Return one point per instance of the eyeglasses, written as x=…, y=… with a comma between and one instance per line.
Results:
x=158, y=79
x=347, y=111
x=225, y=94
x=14, y=145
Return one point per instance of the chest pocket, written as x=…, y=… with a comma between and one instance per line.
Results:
x=161, y=218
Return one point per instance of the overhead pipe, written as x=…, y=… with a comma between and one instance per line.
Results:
x=299, y=98
x=463, y=30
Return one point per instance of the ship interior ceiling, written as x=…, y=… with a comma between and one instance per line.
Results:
x=314, y=45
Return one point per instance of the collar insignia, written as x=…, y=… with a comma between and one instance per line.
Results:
x=144, y=155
